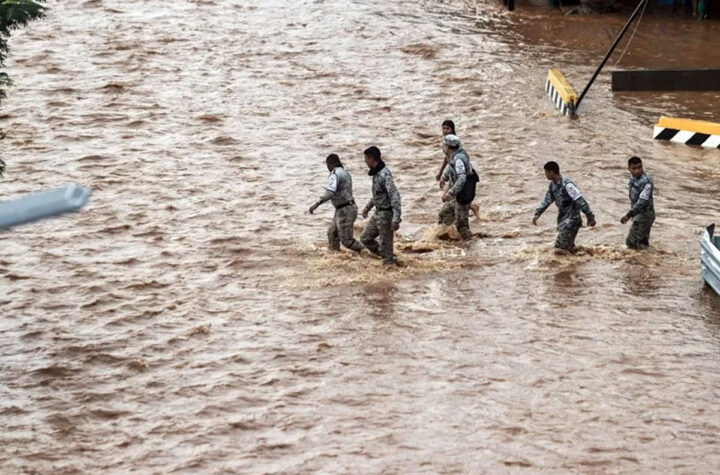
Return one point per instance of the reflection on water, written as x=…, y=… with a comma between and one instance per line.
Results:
x=191, y=319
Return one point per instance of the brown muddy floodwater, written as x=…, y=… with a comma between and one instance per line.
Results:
x=191, y=320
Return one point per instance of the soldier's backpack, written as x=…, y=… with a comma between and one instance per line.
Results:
x=467, y=193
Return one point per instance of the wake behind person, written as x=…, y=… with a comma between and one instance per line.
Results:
x=563, y=192
x=386, y=201
x=339, y=193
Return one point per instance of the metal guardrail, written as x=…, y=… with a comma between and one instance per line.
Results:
x=42, y=205
x=710, y=258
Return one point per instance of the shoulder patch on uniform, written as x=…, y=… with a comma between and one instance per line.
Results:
x=332, y=183
x=460, y=167
x=573, y=191
x=646, y=193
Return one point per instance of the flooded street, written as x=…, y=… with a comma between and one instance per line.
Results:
x=190, y=319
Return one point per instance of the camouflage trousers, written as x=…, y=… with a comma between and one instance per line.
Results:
x=639, y=235
x=567, y=232
x=379, y=226
x=453, y=212
x=341, y=229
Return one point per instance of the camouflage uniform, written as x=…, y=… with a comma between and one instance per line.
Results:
x=386, y=200
x=570, y=202
x=339, y=192
x=455, y=174
x=642, y=211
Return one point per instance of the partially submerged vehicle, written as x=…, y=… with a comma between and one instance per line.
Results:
x=710, y=258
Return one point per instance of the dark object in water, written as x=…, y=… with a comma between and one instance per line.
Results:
x=702, y=79
x=710, y=258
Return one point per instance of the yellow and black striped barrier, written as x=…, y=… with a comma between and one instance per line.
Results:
x=561, y=92
x=689, y=132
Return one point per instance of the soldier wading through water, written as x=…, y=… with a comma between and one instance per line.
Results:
x=570, y=202
x=339, y=192
x=386, y=201
x=642, y=209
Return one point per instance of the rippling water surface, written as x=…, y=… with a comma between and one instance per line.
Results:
x=190, y=318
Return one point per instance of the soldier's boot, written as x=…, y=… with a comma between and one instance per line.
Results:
x=372, y=246
x=353, y=245
x=465, y=233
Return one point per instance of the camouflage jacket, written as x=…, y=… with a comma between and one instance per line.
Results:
x=459, y=168
x=339, y=188
x=569, y=201
x=641, y=196
x=385, y=196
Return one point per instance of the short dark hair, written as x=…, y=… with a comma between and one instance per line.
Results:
x=552, y=167
x=450, y=124
x=373, y=152
x=333, y=160
x=634, y=161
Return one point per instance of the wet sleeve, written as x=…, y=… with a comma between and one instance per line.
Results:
x=394, y=195
x=369, y=206
x=461, y=177
x=585, y=208
x=544, y=205
x=577, y=197
x=643, y=201
x=330, y=190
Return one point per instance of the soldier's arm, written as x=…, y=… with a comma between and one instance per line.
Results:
x=643, y=202
x=461, y=177
x=330, y=190
x=544, y=205
x=368, y=207
x=394, y=195
x=585, y=208
x=577, y=197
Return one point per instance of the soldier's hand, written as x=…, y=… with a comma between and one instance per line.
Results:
x=438, y=176
x=446, y=197
x=535, y=220
x=592, y=223
x=625, y=219
x=396, y=225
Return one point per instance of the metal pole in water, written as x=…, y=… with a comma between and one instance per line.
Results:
x=43, y=205
x=610, y=51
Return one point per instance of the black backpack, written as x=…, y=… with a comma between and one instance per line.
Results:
x=467, y=193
